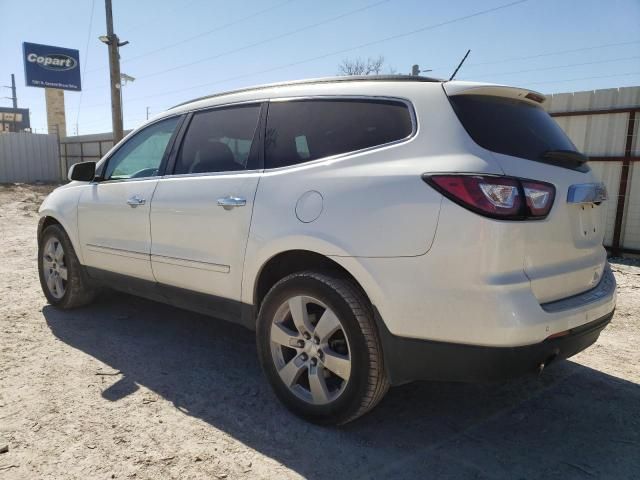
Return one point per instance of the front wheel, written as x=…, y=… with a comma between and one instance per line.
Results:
x=319, y=348
x=63, y=281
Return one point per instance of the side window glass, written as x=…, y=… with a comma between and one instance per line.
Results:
x=218, y=140
x=142, y=154
x=303, y=130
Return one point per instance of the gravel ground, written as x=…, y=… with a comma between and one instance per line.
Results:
x=128, y=388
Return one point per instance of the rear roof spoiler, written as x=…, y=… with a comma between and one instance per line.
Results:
x=472, y=88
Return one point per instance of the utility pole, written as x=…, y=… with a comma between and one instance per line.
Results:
x=147, y=113
x=112, y=40
x=14, y=96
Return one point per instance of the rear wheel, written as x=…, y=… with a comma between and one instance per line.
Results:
x=319, y=348
x=63, y=281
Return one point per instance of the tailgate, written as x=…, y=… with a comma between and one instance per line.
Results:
x=563, y=253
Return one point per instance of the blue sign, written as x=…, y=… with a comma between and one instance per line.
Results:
x=51, y=67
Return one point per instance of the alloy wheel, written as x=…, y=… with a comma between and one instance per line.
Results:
x=54, y=268
x=310, y=350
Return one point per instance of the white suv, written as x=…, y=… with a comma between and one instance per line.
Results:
x=372, y=231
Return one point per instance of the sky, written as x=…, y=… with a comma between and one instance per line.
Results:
x=181, y=50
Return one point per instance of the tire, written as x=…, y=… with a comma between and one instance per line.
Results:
x=53, y=265
x=311, y=377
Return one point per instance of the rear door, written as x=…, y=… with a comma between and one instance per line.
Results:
x=201, y=212
x=563, y=253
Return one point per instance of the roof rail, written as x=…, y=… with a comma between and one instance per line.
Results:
x=311, y=81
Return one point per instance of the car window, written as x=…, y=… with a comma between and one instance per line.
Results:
x=304, y=130
x=142, y=154
x=218, y=140
x=509, y=126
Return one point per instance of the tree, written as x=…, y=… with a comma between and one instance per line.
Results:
x=359, y=66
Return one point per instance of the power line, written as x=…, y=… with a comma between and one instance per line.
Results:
x=267, y=40
x=236, y=77
x=585, y=78
x=86, y=61
x=208, y=32
x=548, y=54
x=137, y=118
x=179, y=6
x=555, y=67
x=335, y=52
x=270, y=39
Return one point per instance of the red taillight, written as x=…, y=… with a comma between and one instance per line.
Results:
x=496, y=196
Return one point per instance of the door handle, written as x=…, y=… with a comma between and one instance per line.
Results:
x=230, y=202
x=135, y=201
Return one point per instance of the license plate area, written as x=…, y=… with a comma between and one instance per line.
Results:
x=584, y=201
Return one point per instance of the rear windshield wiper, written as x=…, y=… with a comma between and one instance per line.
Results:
x=565, y=155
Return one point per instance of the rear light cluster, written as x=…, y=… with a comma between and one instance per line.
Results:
x=504, y=198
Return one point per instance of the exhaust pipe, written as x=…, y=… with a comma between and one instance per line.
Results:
x=544, y=364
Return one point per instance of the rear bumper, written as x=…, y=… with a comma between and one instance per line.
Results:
x=408, y=359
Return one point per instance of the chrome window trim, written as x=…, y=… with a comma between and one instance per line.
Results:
x=211, y=174
x=412, y=114
x=107, y=156
x=258, y=103
x=415, y=127
x=119, y=180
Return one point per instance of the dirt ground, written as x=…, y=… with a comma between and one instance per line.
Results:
x=127, y=388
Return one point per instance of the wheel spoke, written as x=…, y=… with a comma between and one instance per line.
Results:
x=59, y=287
x=338, y=364
x=291, y=371
x=50, y=250
x=282, y=335
x=298, y=308
x=51, y=283
x=327, y=325
x=318, y=386
x=63, y=272
x=47, y=263
x=59, y=253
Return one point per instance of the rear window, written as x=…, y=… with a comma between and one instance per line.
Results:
x=304, y=130
x=511, y=127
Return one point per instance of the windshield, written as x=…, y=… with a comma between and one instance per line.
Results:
x=512, y=127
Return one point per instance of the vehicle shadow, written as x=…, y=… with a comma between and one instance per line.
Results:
x=571, y=422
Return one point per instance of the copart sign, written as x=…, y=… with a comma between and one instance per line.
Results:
x=46, y=66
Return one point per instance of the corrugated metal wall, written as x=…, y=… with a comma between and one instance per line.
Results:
x=85, y=148
x=29, y=157
x=605, y=135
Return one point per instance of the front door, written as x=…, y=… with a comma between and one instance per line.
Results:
x=201, y=214
x=113, y=213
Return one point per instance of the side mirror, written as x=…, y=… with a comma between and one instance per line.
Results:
x=84, y=171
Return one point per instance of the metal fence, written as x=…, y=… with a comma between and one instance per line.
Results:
x=29, y=157
x=604, y=124
x=84, y=148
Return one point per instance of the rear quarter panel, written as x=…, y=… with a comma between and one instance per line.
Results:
x=374, y=203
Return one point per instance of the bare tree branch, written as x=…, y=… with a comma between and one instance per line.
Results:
x=359, y=66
